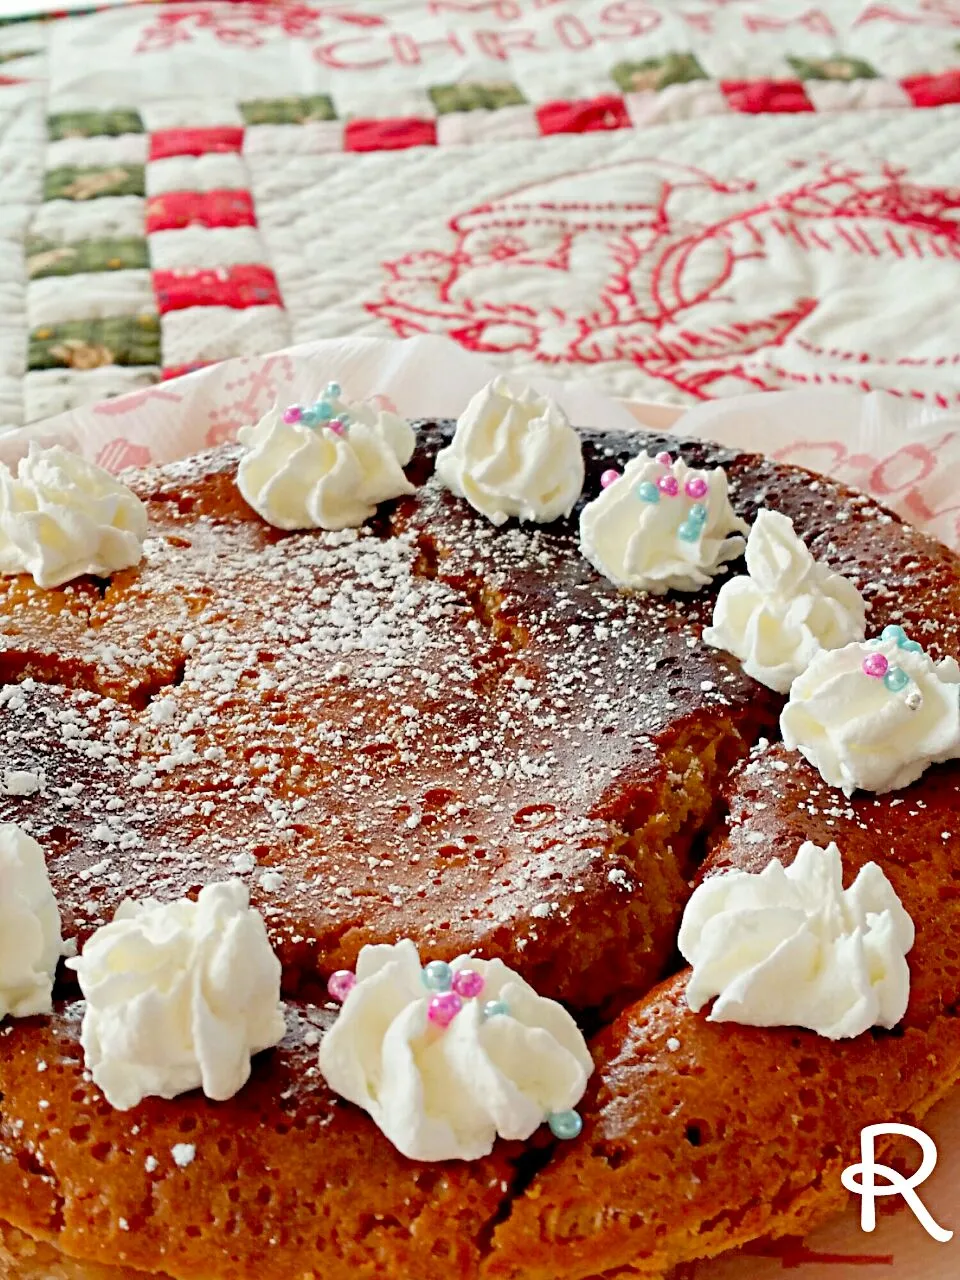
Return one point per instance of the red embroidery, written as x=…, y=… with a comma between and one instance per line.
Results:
x=934, y=13
x=629, y=19
x=646, y=282
x=885, y=13
x=757, y=96
x=246, y=24
x=389, y=135
x=194, y=142
x=243, y=286
x=177, y=209
x=815, y=20
x=409, y=52
x=933, y=91
x=498, y=44
x=606, y=112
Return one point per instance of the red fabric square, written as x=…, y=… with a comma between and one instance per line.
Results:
x=389, y=135
x=933, y=91
x=194, y=142
x=760, y=96
x=609, y=111
x=244, y=286
x=177, y=209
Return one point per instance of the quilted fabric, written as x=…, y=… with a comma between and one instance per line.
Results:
x=680, y=202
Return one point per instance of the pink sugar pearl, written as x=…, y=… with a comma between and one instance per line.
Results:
x=875, y=665
x=696, y=487
x=340, y=984
x=468, y=983
x=608, y=478
x=665, y=459
x=443, y=1008
x=293, y=414
x=336, y=426
x=669, y=485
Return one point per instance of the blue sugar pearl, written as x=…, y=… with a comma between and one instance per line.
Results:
x=698, y=513
x=495, y=1009
x=438, y=976
x=333, y=391
x=324, y=409
x=565, y=1124
x=689, y=532
x=893, y=632
x=647, y=491
x=911, y=646
x=896, y=679
x=310, y=418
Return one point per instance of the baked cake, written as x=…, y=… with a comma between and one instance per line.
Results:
x=437, y=728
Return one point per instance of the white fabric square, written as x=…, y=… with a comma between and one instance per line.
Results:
x=507, y=124
x=367, y=101
x=217, y=333
x=211, y=172
x=855, y=95
x=100, y=151
x=108, y=218
x=89, y=295
x=13, y=330
x=11, y=401
x=202, y=247
x=189, y=113
x=14, y=224
x=23, y=114
x=23, y=35
x=292, y=139
x=676, y=102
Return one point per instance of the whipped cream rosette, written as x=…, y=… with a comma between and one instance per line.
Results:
x=327, y=465
x=179, y=995
x=447, y=1057
x=785, y=609
x=661, y=526
x=61, y=516
x=30, y=942
x=876, y=715
x=513, y=454
x=792, y=947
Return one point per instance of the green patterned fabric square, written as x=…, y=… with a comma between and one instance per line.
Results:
x=836, y=67
x=657, y=73
x=288, y=110
x=48, y=258
x=72, y=183
x=92, y=124
x=480, y=96
x=89, y=344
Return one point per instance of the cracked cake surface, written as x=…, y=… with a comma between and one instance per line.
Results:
x=432, y=728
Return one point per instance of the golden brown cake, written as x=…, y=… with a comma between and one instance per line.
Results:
x=437, y=729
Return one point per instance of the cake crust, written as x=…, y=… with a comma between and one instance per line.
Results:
x=436, y=729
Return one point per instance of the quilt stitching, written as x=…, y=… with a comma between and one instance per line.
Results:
x=146, y=255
